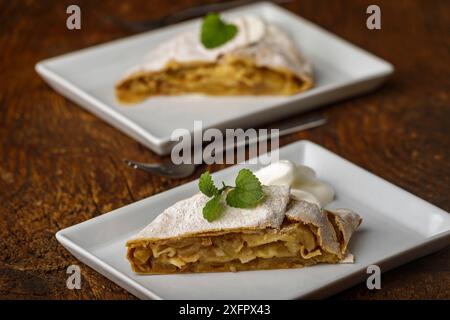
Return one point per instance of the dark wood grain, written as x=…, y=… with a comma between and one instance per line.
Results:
x=60, y=165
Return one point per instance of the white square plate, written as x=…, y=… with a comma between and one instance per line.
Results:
x=397, y=227
x=88, y=76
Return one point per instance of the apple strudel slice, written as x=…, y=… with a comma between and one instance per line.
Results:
x=280, y=232
x=260, y=59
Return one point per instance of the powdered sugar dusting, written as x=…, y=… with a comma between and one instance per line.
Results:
x=185, y=217
x=266, y=44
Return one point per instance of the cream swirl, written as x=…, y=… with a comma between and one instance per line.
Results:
x=302, y=180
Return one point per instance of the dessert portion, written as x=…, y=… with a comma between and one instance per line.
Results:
x=235, y=56
x=246, y=227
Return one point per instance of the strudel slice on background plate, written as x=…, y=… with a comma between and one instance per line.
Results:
x=279, y=232
x=239, y=56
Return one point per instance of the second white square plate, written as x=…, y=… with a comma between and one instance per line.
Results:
x=88, y=77
x=397, y=227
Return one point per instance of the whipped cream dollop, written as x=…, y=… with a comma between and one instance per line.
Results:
x=302, y=180
x=251, y=29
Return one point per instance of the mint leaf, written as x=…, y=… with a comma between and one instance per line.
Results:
x=246, y=194
x=215, y=32
x=213, y=208
x=248, y=191
x=206, y=185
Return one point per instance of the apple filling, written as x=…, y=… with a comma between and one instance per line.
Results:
x=227, y=77
x=293, y=245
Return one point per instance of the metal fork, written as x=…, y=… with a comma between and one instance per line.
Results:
x=171, y=170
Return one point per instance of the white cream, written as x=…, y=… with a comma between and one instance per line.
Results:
x=302, y=180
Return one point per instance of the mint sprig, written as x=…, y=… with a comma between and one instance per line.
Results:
x=215, y=32
x=246, y=194
x=248, y=191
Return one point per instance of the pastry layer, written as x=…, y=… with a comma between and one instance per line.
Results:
x=293, y=245
x=226, y=77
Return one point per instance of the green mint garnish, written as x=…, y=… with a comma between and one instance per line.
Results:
x=248, y=191
x=206, y=185
x=215, y=32
x=246, y=194
x=213, y=208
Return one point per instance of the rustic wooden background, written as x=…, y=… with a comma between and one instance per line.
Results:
x=59, y=165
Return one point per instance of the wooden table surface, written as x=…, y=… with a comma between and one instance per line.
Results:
x=60, y=165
